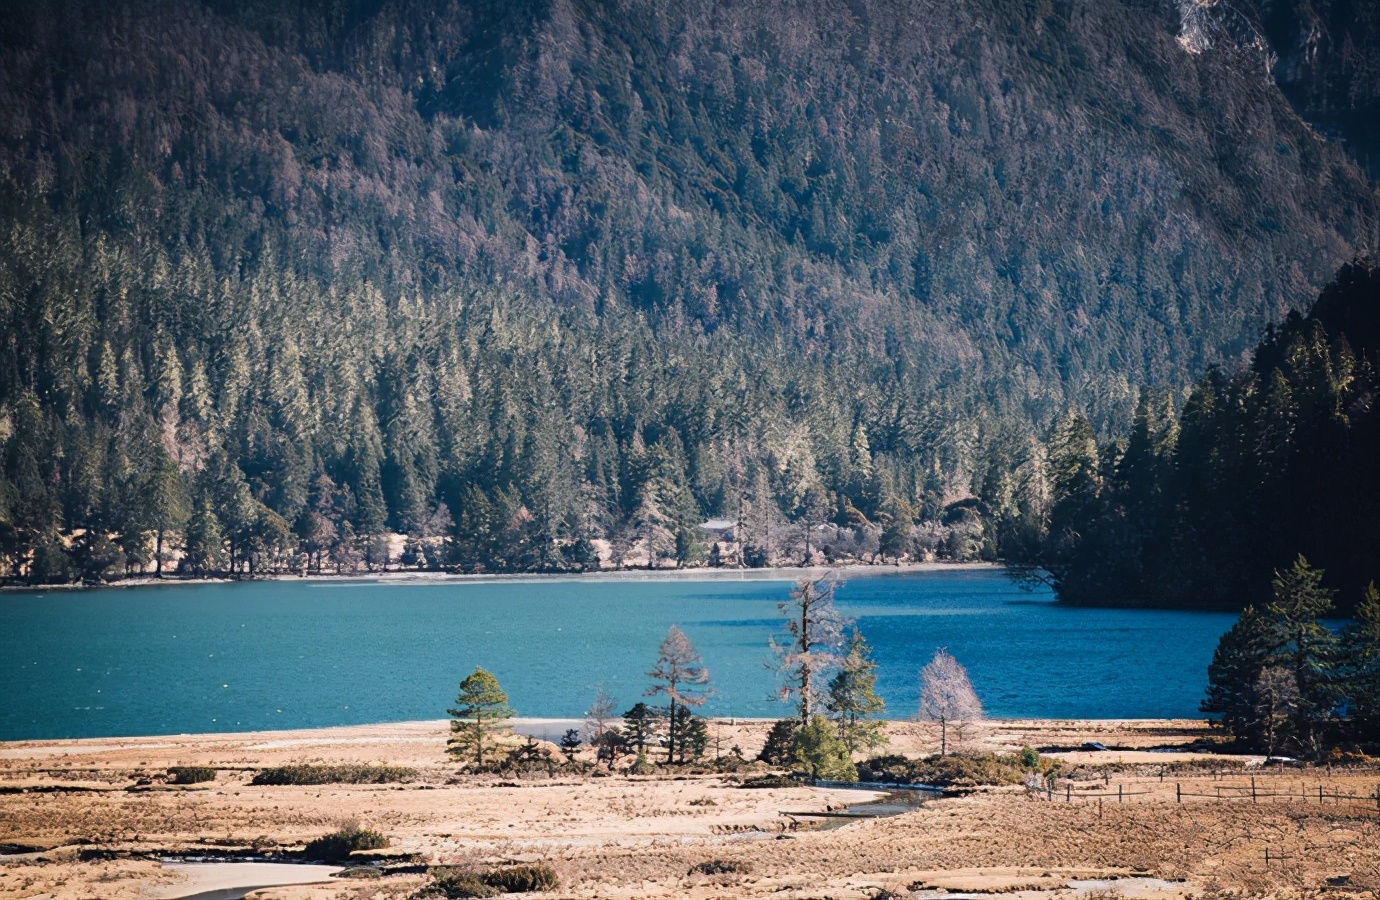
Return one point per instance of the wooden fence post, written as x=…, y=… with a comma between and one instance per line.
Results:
x=1118, y=793
x=1068, y=791
x=1178, y=792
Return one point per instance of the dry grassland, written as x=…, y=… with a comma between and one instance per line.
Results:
x=88, y=835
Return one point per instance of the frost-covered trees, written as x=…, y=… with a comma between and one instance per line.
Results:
x=947, y=697
x=814, y=635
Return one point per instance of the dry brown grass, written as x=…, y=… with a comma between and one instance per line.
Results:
x=644, y=837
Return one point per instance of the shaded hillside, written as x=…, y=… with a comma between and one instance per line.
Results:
x=1327, y=62
x=1265, y=464
x=305, y=271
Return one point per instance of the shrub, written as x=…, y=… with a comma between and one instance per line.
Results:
x=945, y=771
x=521, y=879
x=345, y=774
x=338, y=845
x=721, y=867
x=457, y=884
x=1030, y=757
x=191, y=774
x=642, y=765
x=453, y=882
x=777, y=750
x=770, y=781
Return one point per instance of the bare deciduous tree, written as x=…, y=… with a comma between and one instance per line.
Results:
x=816, y=636
x=597, y=718
x=683, y=678
x=947, y=696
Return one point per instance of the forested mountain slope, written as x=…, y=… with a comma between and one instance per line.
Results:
x=1275, y=461
x=303, y=271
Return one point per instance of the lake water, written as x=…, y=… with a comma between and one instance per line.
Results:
x=281, y=654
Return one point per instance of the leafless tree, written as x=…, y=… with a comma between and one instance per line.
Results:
x=947, y=696
x=1276, y=698
x=815, y=642
x=597, y=717
x=681, y=676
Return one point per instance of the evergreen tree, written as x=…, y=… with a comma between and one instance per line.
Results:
x=639, y=726
x=479, y=718
x=570, y=744
x=204, y=552
x=1362, y=656
x=692, y=734
x=170, y=508
x=852, y=699
x=1309, y=649
x=817, y=751
x=680, y=675
x=1241, y=655
x=777, y=749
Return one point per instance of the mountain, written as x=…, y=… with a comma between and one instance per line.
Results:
x=302, y=272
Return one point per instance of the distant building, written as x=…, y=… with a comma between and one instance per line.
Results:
x=719, y=529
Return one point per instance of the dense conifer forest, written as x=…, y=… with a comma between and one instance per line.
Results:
x=527, y=281
x=1205, y=507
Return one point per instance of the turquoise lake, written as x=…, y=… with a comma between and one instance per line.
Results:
x=174, y=659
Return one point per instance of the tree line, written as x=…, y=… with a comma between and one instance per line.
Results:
x=1285, y=680
x=1201, y=505
x=823, y=663
x=278, y=280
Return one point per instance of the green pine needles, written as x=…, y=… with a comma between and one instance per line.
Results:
x=480, y=717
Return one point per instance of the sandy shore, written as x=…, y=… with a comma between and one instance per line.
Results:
x=71, y=827
x=697, y=573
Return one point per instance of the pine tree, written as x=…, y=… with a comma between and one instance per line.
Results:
x=570, y=744
x=776, y=750
x=692, y=735
x=852, y=699
x=480, y=717
x=1300, y=602
x=681, y=676
x=204, y=552
x=1241, y=655
x=817, y=750
x=1362, y=643
x=639, y=726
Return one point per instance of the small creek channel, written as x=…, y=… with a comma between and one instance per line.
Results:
x=896, y=799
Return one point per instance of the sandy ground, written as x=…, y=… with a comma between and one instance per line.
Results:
x=70, y=827
x=412, y=576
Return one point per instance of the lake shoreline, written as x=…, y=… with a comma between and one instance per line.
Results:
x=524, y=726
x=695, y=573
